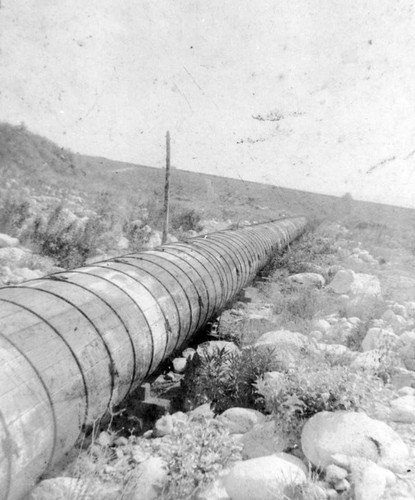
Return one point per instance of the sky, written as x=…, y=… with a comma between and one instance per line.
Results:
x=317, y=95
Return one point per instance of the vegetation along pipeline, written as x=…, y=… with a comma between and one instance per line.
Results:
x=76, y=343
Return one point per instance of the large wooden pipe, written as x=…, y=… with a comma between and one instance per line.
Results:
x=75, y=343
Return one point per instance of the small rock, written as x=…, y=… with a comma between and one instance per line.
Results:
x=334, y=474
x=332, y=494
x=163, y=426
x=316, y=335
x=104, y=439
x=286, y=347
x=150, y=477
x=121, y=441
x=8, y=241
x=138, y=454
x=406, y=391
x=202, y=411
x=264, y=478
x=369, y=360
x=213, y=491
x=399, y=309
x=27, y=274
x=240, y=420
x=179, y=417
x=342, y=485
x=123, y=243
x=321, y=325
x=262, y=440
x=369, y=480
x=62, y=488
x=179, y=365
x=342, y=281
x=188, y=353
x=312, y=280
x=407, y=352
x=403, y=409
x=403, y=378
x=377, y=338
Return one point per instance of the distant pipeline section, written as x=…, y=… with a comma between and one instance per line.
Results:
x=75, y=343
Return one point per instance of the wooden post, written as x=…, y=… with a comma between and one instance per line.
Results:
x=166, y=191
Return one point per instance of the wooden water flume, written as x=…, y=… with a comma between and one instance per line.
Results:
x=75, y=343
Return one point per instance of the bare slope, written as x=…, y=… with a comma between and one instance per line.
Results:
x=34, y=160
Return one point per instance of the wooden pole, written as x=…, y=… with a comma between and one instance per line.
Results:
x=166, y=191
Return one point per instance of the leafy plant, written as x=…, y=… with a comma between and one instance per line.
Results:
x=305, y=390
x=225, y=379
x=195, y=452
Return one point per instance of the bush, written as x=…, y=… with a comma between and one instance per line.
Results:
x=195, y=452
x=186, y=220
x=225, y=379
x=310, y=388
x=14, y=210
x=70, y=245
x=309, y=248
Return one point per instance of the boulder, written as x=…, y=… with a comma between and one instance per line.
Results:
x=309, y=267
x=410, y=308
x=378, y=338
x=403, y=378
x=264, y=478
x=286, y=347
x=369, y=479
x=154, y=240
x=62, y=488
x=336, y=350
x=397, y=322
x=316, y=335
x=406, y=391
x=352, y=434
x=311, y=280
x=123, y=243
x=320, y=325
x=12, y=255
x=150, y=476
x=342, y=281
x=240, y=420
x=26, y=274
x=407, y=351
x=213, y=491
x=8, y=241
x=369, y=360
x=403, y=409
x=399, y=309
x=363, y=289
x=262, y=440
x=201, y=412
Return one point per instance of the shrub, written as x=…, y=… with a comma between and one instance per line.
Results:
x=195, y=452
x=225, y=379
x=186, y=220
x=310, y=388
x=309, y=248
x=70, y=245
x=14, y=210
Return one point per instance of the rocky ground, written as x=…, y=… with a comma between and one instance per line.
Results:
x=332, y=411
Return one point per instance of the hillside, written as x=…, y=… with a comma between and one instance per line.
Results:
x=34, y=160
